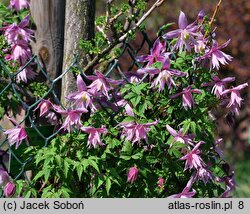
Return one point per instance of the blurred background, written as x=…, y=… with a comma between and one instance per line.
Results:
x=232, y=22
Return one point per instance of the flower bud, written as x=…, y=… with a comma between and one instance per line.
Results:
x=9, y=189
x=132, y=174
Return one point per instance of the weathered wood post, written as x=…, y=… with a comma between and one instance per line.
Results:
x=79, y=23
x=49, y=17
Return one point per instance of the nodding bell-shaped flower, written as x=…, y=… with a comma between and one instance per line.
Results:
x=193, y=159
x=94, y=139
x=156, y=53
x=180, y=136
x=16, y=135
x=82, y=98
x=187, y=98
x=218, y=85
x=101, y=84
x=19, y=4
x=73, y=117
x=186, y=193
x=136, y=132
x=216, y=56
x=9, y=189
x=235, y=94
x=18, y=32
x=132, y=174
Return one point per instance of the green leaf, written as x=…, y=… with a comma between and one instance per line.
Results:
x=108, y=185
x=137, y=156
x=94, y=165
x=151, y=159
x=58, y=160
x=157, y=65
x=164, y=27
x=135, y=100
x=47, y=173
x=38, y=175
x=142, y=108
x=65, y=192
x=85, y=164
x=193, y=127
x=127, y=148
x=66, y=168
x=79, y=169
x=27, y=194
x=125, y=157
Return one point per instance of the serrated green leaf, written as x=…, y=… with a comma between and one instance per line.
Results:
x=79, y=169
x=47, y=173
x=127, y=148
x=94, y=165
x=135, y=100
x=58, y=160
x=129, y=96
x=66, y=168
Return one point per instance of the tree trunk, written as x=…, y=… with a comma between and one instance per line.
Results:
x=49, y=18
x=79, y=24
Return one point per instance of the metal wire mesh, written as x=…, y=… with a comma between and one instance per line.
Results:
x=13, y=160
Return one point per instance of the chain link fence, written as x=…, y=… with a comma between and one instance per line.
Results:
x=15, y=161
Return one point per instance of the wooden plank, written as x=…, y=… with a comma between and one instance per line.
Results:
x=49, y=18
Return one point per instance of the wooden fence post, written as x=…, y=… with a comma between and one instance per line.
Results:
x=79, y=23
x=49, y=17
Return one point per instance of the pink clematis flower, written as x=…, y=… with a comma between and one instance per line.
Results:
x=19, y=4
x=156, y=53
x=4, y=177
x=186, y=34
x=235, y=98
x=94, y=139
x=217, y=149
x=132, y=174
x=200, y=45
x=230, y=184
x=14, y=33
x=16, y=135
x=193, y=160
x=20, y=52
x=73, y=117
x=180, y=136
x=44, y=106
x=52, y=118
x=161, y=183
x=186, y=193
x=217, y=56
x=136, y=132
x=128, y=109
x=204, y=174
x=219, y=84
x=164, y=75
x=133, y=77
x=82, y=98
x=9, y=189
x=101, y=84
x=25, y=75
x=187, y=98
